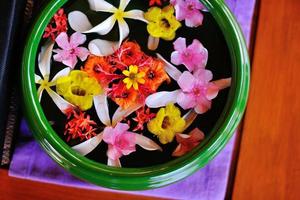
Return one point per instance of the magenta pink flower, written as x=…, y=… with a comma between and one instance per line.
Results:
x=70, y=49
x=196, y=90
x=189, y=10
x=120, y=141
x=193, y=57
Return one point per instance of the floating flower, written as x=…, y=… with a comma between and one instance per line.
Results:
x=187, y=142
x=70, y=49
x=133, y=77
x=162, y=22
x=122, y=96
x=142, y=116
x=130, y=53
x=167, y=123
x=57, y=25
x=197, y=90
x=79, y=21
x=189, y=10
x=79, y=89
x=155, y=74
x=44, y=65
x=120, y=141
x=193, y=57
x=101, y=69
x=79, y=126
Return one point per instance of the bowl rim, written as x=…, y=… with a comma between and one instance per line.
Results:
x=147, y=177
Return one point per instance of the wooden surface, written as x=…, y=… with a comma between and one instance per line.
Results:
x=269, y=158
x=19, y=189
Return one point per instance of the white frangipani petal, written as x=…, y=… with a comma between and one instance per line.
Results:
x=100, y=47
x=161, y=99
x=170, y=69
x=153, y=43
x=86, y=147
x=114, y=163
x=222, y=83
x=121, y=113
x=101, y=106
x=61, y=73
x=37, y=78
x=79, y=21
x=40, y=92
x=101, y=5
x=146, y=143
x=135, y=14
x=44, y=59
x=123, y=30
x=123, y=4
x=60, y=102
x=104, y=27
x=189, y=118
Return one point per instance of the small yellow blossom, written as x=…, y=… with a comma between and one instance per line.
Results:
x=162, y=22
x=167, y=123
x=78, y=88
x=134, y=78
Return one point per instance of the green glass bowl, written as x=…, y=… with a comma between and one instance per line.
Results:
x=147, y=177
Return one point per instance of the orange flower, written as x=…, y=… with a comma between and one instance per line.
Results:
x=101, y=69
x=155, y=75
x=122, y=96
x=130, y=53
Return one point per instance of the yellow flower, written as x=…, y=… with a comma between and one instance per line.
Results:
x=78, y=88
x=167, y=123
x=134, y=78
x=162, y=22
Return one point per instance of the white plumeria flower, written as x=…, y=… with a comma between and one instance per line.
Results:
x=80, y=23
x=101, y=106
x=44, y=63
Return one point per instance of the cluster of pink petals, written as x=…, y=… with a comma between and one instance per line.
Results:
x=196, y=90
x=187, y=142
x=70, y=49
x=120, y=141
x=193, y=57
x=189, y=10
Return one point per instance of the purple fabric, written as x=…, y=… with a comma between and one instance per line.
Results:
x=31, y=162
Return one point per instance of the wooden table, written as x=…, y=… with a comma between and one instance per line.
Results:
x=268, y=164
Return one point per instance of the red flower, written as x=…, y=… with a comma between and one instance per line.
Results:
x=57, y=25
x=153, y=2
x=142, y=116
x=79, y=125
x=187, y=142
x=122, y=96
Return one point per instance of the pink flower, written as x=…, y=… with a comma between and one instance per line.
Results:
x=189, y=10
x=187, y=142
x=120, y=141
x=196, y=90
x=193, y=57
x=70, y=49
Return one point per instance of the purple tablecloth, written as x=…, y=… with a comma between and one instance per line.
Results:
x=31, y=162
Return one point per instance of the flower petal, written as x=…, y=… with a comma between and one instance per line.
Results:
x=186, y=81
x=153, y=43
x=60, y=102
x=89, y=145
x=121, y=113
x=146, y=143
x=186, y=100
x=101, y=106
x=113, y=163
x=189, y=118
x=77, y=39
x=161, y=99
x=44, y=59
x=212, y=91
x=61, y=73
x=37, y=78
x=123, y=4
x=113, y=153
x=101, y=6
x=222, y=83
x=123, y=30
x=203, y=107
x=62, y=41
x=136, y=15
x=104, y=27
x=180, y=44
x=79, y=21
x=170, y=69
x=100, y=47
x=82, y=53
x=40, y=93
